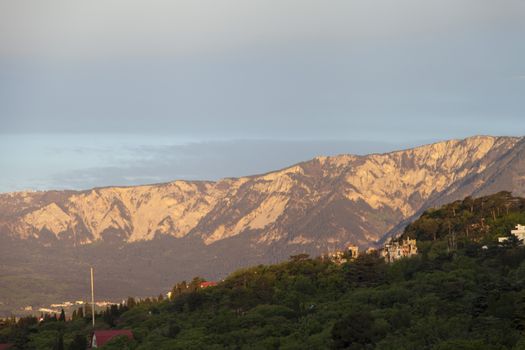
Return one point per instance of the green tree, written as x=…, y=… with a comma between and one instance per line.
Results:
x=131, y=303
x=354, y=331
x=59, y=345
x=62, y=317
x=80, y=312
x=173, y=329
x=79, y=342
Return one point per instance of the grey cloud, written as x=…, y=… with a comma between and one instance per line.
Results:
x=209, y=161
x=261, y=69
x=80, y=29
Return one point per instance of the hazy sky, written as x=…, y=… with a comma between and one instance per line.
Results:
x=110, y=92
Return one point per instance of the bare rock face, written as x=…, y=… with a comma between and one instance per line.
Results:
x=142, y=239
x=327, y=201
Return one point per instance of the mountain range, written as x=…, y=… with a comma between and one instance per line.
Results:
x=163, y=232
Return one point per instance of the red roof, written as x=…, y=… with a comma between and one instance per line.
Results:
x=5, y=346
x=102, y=337
x=208, y=284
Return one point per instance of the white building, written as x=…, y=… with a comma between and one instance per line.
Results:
x=353, y=251
x=519, y=232
x=396, y=250
x=341, y=257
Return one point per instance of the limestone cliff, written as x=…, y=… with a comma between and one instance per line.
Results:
x=142, y=239
x=327, y=201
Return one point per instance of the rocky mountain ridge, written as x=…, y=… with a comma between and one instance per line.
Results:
x=142, y=239
x=327, y=201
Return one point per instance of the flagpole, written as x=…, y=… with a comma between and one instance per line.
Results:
x=92, y=299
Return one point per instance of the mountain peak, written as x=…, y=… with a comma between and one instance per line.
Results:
x=344, y=198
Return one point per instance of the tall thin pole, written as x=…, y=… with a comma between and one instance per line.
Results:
x=92, y=299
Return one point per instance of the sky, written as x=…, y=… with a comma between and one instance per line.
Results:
x=124, y=92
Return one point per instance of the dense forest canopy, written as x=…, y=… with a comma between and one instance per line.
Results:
x=481, y=219
x=463, y=291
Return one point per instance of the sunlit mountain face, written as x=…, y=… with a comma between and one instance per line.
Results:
x=156, y=234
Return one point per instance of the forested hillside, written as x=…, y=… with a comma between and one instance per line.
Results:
x=463, y=291
x=472, y=219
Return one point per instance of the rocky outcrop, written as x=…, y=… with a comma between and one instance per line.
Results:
x=324, y=202
x=143, y=239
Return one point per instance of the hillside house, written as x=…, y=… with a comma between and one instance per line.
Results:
x=519, y=232
x=341, y=257
x=395, y=250
x=353, y=251
x=208, y=284
x=371, y=250
x=101, y=337
x=337, y=257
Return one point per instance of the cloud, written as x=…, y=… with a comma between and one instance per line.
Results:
x=256, y=69
x=206, y=161
x=91, y=29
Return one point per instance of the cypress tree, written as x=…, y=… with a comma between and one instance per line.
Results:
x=62, y=317
x=131, y=302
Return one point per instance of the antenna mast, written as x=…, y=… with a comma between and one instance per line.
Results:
x=92, y=299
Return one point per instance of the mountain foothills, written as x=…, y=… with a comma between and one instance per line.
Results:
x=166, y=232
x=463, y=290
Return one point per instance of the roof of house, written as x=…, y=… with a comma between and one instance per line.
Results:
x=103, y=336
x=208, y=284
